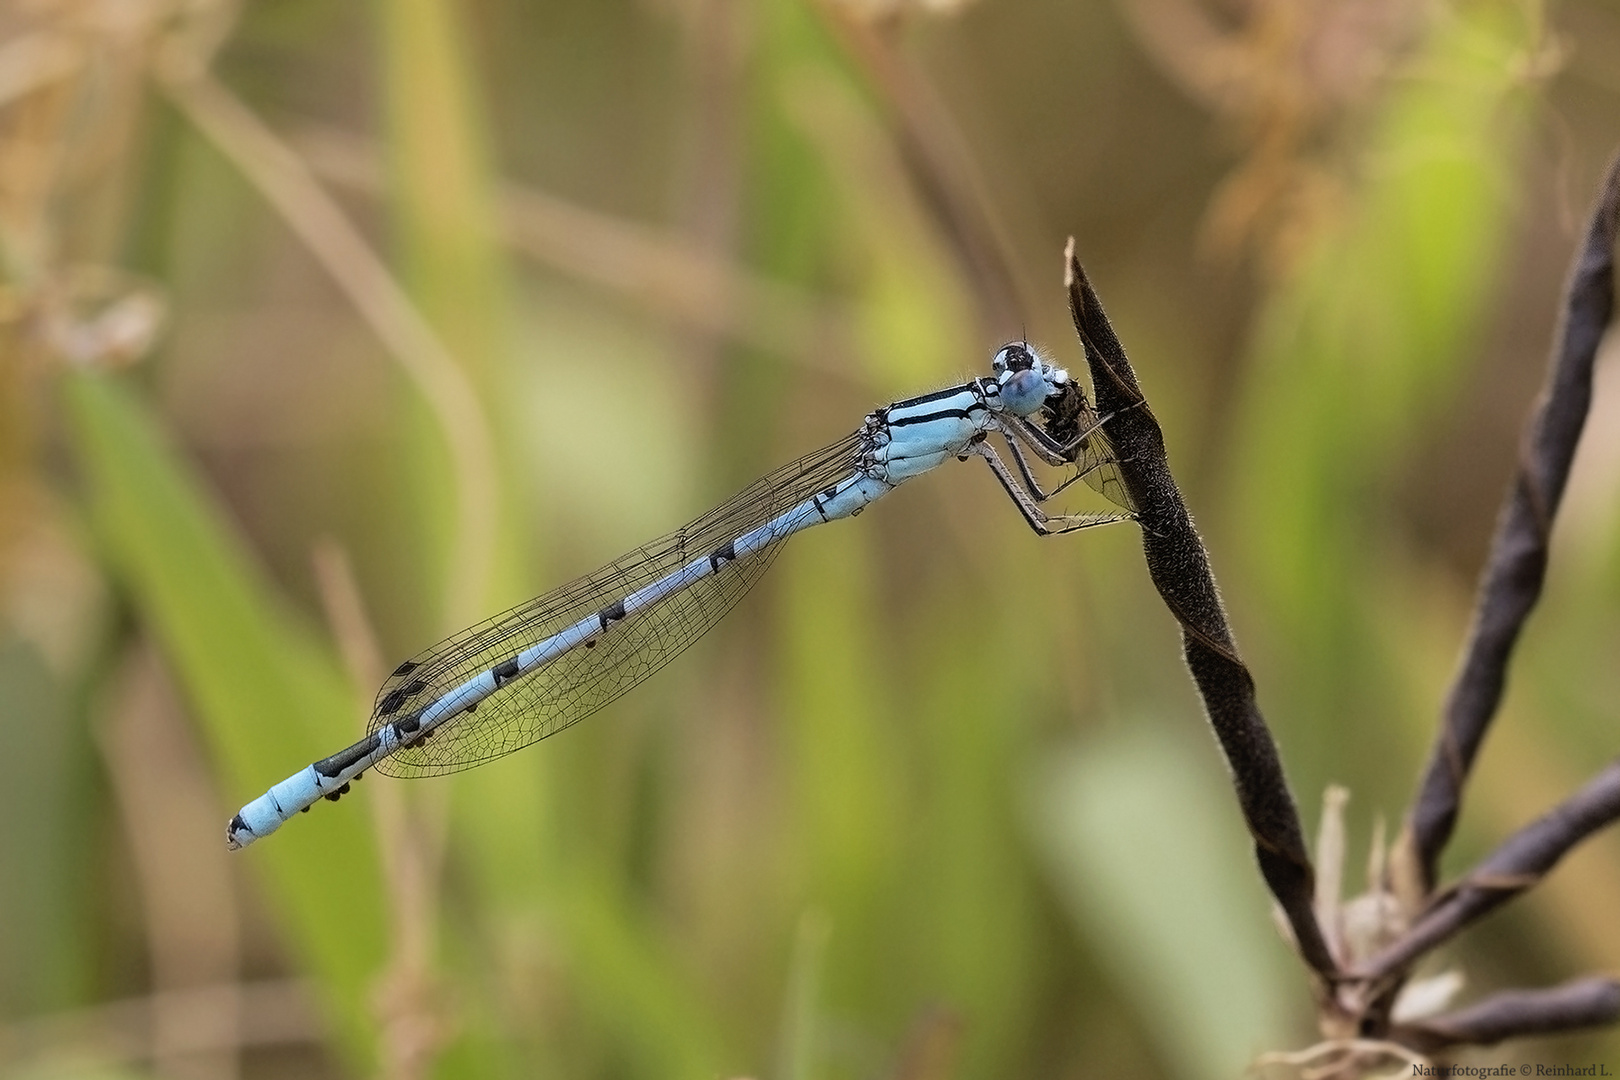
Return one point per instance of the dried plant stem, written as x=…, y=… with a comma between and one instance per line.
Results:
x=1179, y=567
x=1511, y=583
x=270, y=1013
x=940, y=164
x=1578, y=1004
x=1521, y=862
x=1509, y=589
x=408, y=1000
x=669, y=273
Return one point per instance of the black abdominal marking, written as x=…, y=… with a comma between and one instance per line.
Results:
x=610, y=614
x=341, y=760
x=504, y=673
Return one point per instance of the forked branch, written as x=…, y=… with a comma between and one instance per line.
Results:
x=1361, y=1000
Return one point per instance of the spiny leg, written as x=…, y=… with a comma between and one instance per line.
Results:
x=1090, y=451
x=1047, y=448
x=1016, y=429
x=1043, y=523
x=1031, y=484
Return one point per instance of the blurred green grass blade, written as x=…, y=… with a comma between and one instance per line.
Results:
x=800, y=1029
x=630, y=982
x=973, y=924
x=442, y=215
x=1362, y=346
x=1366, y=341
x=442, y=201
x=618, y=972
x=912, y=308
x=44, y=876
x=267, y=696
x=848, y=771
x=1155, y=869
x=440, y=182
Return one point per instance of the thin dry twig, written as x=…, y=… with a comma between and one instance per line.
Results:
x=666, y=272
x=941, y=165
x=407, y=999
x=1511, y=583
x=285, y=182
x=1582, y=1003
x=271, y=1013
x=193, y=935
x=1365, y=997
x=1179, y=567
x=1339, y=1057
x=1520, y=863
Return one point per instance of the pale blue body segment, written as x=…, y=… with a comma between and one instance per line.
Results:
x=543, y=666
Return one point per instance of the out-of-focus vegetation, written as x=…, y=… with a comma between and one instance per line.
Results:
x=328, y=329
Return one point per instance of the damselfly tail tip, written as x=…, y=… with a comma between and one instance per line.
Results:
x=238, y=835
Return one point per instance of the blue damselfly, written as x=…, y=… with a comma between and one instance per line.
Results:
x=538, y=668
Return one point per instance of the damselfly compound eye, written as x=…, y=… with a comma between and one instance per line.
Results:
x=1023, y=392
x=1014, y=356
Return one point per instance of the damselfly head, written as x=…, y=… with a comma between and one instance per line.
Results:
x=1026, y=381
x=1029, y=385
x=1014, y=356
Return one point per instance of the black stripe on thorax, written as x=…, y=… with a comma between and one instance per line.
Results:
x=929, y=418
x=937, y=395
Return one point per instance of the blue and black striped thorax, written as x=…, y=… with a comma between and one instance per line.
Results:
x=966, y=401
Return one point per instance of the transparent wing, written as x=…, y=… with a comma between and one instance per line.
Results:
x=582, y=680
x=1097, y=464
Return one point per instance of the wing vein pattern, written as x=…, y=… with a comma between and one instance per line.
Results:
x=582, y=679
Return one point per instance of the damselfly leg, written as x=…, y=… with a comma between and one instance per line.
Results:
x=1027, y=495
